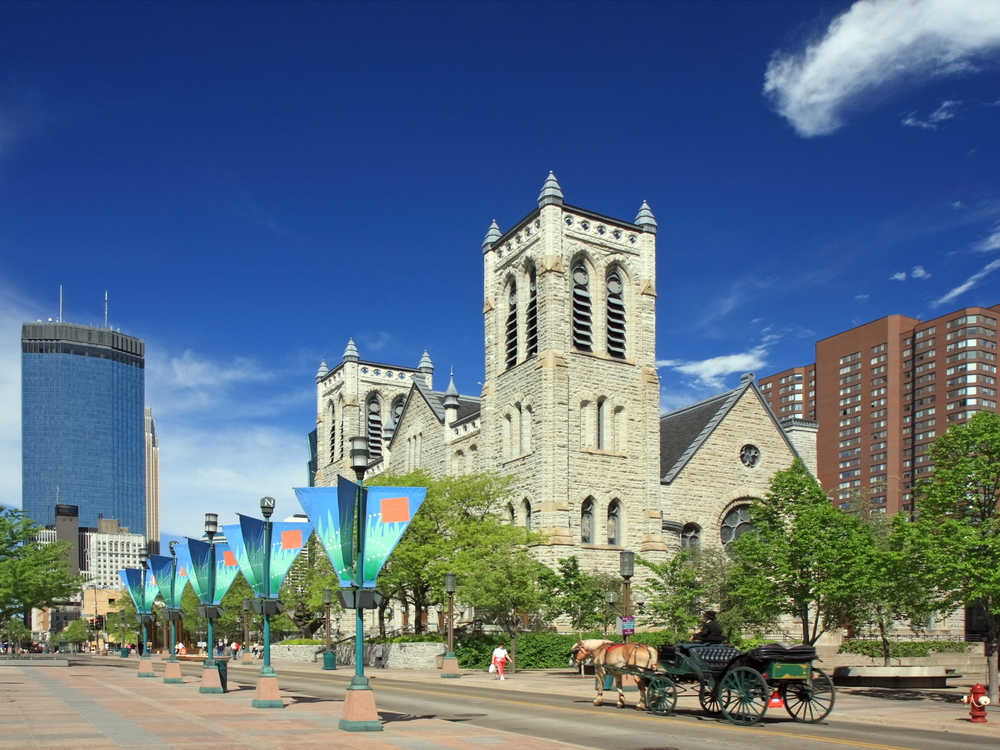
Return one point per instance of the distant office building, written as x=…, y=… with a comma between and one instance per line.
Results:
x=106, y=550
x=882, y=393
x=152, y=484
x=82, y=423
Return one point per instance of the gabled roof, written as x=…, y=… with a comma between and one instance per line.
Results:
x=468, y=406
x=684, y=431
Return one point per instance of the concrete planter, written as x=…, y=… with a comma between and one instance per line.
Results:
x=396, y=655
x=892, y=677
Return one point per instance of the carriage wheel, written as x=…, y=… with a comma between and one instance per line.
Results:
x=661, y=696
x=809, y=701
x=743, y=694
x=710, y=702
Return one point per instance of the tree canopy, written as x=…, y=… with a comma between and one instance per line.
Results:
x=32, y=574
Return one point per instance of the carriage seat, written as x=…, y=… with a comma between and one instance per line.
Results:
x=716, y=656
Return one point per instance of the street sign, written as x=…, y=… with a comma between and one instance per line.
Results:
x=627, y=625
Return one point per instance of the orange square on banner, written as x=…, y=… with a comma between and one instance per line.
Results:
x=395, y=509
x=229, y=559
x=183, y=572
x=291, y=539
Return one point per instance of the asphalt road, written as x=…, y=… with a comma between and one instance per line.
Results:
x=577, y=721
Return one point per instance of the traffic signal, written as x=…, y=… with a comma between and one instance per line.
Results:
x=99, y=622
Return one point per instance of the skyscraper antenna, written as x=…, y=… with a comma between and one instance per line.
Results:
x=60, y=303
x=105, y=309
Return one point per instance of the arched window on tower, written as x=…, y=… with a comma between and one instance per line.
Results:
x=340, y=433
x=601, y=424
x=531, y=319
x=374, y=409
x=333, y=433
x=587, y=522
x=524, y=429
x=614, y=524
x=526, y=513
x=511, y=341
x=582, y=338
x=616, y=315
x=397, y=409
x=691, y=537
x=735, y=524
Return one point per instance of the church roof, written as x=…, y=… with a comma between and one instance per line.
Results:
x=468, y=406
x=684, y=431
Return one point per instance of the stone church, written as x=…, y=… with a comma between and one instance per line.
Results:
x=571, y=402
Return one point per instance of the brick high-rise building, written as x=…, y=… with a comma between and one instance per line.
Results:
x=882, y=392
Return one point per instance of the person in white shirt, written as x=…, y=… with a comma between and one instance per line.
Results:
x=500, y=659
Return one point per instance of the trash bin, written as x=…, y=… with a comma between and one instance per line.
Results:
x=123, y=652
x=329, y=660
x=223, y=673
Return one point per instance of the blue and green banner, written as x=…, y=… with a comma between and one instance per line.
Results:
x=184, y=564
x=171, y=580
x=142, y=597
x=389, y=511
x=247, y=542
x=226, y=568
x=332, y=510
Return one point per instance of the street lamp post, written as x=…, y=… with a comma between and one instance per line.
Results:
x=626, y=567
x=267, y=694
x=246, y=627
x=172, y=674
x=211, y=680
x=450, y=665
x=145, y=618
x=360, y=713
x=329, y=657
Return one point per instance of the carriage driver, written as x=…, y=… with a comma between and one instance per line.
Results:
x=710, y=630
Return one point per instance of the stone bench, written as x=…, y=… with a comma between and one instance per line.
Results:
x=893, y=677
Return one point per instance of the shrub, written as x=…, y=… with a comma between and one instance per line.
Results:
x=412, y=638
x=300, y=642
x=900, y=649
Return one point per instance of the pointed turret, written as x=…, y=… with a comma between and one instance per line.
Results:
x=645, y=219
x=426, y=368
x=451, y=395
x=491, y=236
x=323, y=371
x=351, y=352
x=551, y=192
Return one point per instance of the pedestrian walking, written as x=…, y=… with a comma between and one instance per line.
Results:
x=379, y=653
x=500, y=659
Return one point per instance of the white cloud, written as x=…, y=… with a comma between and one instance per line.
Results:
x=901, y=276
x=942, y=113
x=958, y=204
x=873, y=45
x=918, y=272
x=709, y=373
x=990, y=243
x=968, y=283
x=861, y=298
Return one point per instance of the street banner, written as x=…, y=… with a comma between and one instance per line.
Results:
x=165, y=573
x=184, y=564
x=247, y=542
x=226, y=569
x=142, y=598
x=389, y=511
x=332, y=511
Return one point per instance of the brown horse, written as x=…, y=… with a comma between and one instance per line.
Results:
x=611, y=658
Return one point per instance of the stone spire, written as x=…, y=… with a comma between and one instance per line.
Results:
x=491, y=237
x=426, y=368
x=451, y=395
x=551, y=192
x=645, y=219
x=351, y=352
x=323, y=371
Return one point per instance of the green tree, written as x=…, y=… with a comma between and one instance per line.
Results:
x=15, y=633
x=460, y=522
x=76, y=632
x=122, y=622
x=506, y=585
x=674, y=593
x=32, y=574
x=802, y=559
x=577, y=594
x=959, y=524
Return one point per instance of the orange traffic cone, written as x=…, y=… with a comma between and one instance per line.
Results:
x=776, y=701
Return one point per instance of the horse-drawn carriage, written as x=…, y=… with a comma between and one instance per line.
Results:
x=739, y=685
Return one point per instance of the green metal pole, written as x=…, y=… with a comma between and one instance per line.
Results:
x=266, y=669
x=359, y=619
x=210, y=661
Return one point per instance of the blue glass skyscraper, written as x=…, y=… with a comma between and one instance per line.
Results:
x=83, y=431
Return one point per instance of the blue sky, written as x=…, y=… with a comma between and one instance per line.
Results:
x=253, y=184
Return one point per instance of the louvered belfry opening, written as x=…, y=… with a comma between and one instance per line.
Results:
x=512, y=327
x=333, y=433
x=616, y=316
x=582, y=336
x=374, y=427
x=531, y=319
